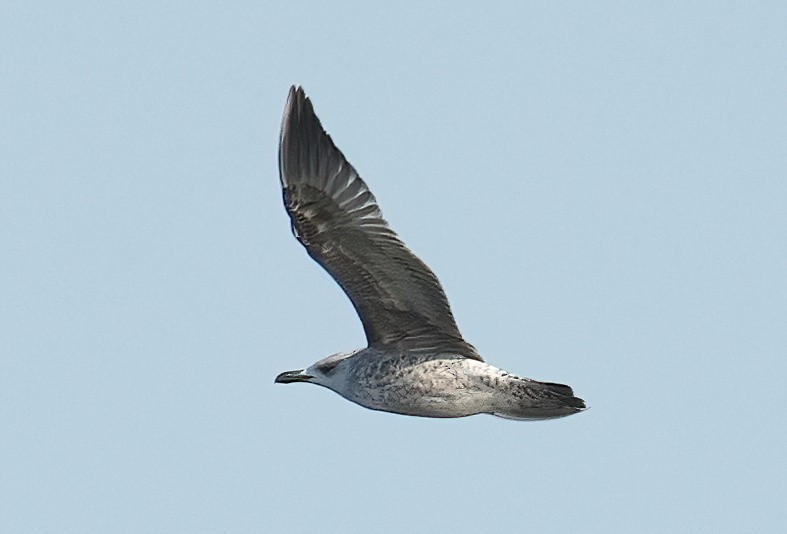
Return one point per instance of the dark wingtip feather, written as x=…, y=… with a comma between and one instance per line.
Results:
x=304, y=145
x=292, y=124
x=298, y=111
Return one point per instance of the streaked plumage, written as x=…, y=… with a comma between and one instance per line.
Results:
x=416, y=362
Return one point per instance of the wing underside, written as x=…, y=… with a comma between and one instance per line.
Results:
x=336, y=218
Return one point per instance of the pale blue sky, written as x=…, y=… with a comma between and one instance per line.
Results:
x=601, y=188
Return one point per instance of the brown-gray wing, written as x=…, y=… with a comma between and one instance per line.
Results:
x=334, y=215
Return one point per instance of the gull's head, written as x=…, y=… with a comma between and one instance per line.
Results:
x=329, y=372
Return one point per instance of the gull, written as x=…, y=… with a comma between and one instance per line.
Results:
x=416, y=362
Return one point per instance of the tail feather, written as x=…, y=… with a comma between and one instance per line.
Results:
x=566, y=395
x=558, y=388
x=531, y=399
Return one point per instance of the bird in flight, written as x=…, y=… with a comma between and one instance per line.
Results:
x=416, y=361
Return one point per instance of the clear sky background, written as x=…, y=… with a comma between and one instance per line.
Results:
x=601, y=188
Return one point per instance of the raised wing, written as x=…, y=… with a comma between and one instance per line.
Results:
x=334, y=215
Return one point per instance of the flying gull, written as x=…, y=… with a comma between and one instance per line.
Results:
x=416, y=361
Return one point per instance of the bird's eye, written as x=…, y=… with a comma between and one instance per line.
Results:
x=327, y=367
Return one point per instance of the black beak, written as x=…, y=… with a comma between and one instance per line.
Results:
x=292, y=376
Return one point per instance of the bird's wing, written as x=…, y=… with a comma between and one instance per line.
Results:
x=334, y=215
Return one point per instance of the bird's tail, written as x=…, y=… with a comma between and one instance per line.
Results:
x=532, y=400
